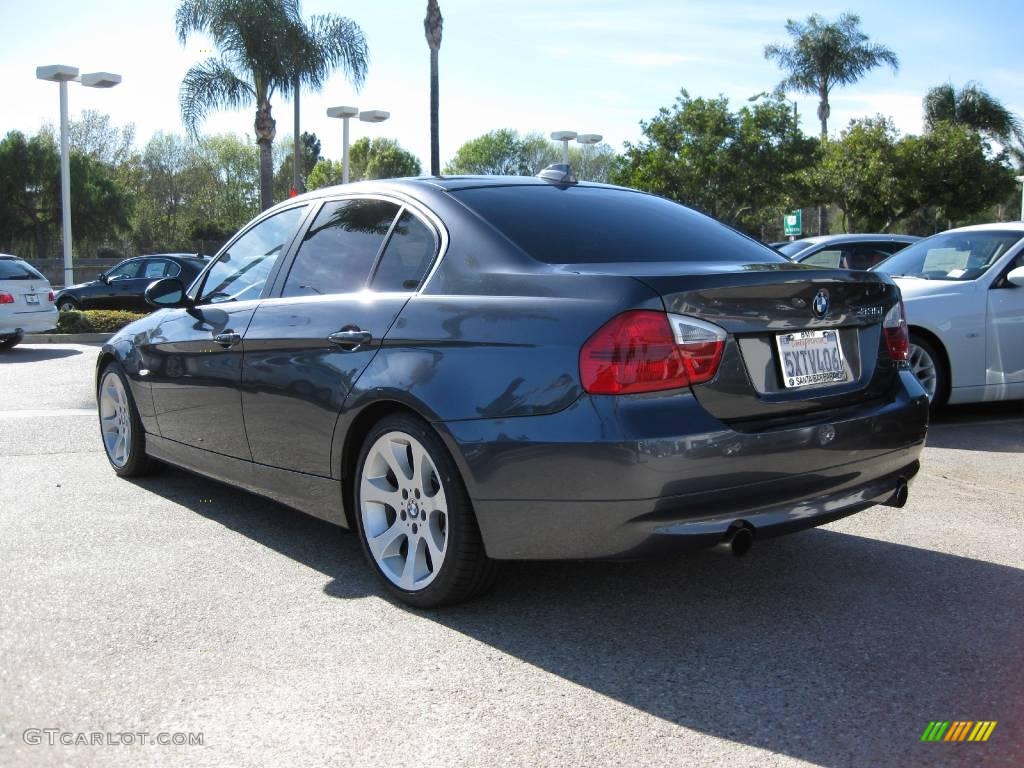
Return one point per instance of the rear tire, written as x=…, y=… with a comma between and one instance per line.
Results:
x=9, y=342
x=928, y=365
x=414, y=517
x=124, y=439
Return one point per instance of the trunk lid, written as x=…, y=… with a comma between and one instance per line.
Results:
x=761, y=303
x=29, y=296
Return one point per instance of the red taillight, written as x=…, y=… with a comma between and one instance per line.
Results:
x=647, y=351
x=50, y=297
x=6, y=298
x=896, y=336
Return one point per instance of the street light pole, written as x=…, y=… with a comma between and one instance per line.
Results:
x=61, y=74
x=565, y=137
x=1020, y=180
x=345, y=113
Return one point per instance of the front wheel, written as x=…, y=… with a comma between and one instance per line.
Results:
x=124, y=439
x=67, y=305
x=415, y=519
x=928, y=365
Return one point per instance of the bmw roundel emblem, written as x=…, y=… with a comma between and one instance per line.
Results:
x=821, y=304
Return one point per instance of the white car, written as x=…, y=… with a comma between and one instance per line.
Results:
x=963, y=291
x=26, y=301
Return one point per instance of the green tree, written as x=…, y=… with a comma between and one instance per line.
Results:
x=30, y=206
x=863, y=174
x=265, y=47
x=498, y=153
x=826, y=54
x=95, y=135
x=741, y=168
x=974, y=108
x=368, y=159
x=878, y=179
x=432, y=27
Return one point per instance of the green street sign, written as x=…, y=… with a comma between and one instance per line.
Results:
x=792, y=223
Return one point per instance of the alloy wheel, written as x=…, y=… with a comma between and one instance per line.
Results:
x=403, y=511
x=115, y=419
x=923, y=367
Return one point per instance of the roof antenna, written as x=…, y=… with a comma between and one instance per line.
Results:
x=560, y=173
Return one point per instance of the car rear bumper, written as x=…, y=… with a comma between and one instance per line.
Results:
x=29, y=322
x=582, y=484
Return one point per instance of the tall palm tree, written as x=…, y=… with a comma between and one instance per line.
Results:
x=264, y=48
x=974, y=108
x=432, y=27
x=826, y=54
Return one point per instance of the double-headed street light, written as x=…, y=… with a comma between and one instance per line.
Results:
x=587, y=139
x=345, y=113
x=59, y=73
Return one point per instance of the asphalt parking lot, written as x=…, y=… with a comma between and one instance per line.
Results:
x=174, y=604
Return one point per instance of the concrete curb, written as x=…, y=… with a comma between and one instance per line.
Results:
x=65, y=338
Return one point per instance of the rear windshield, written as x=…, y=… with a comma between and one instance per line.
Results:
x=593, y=225
x=18, y=270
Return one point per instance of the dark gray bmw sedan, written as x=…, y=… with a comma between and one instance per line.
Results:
x=468, y=370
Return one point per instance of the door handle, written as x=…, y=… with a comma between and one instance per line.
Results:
x=350, y=340
x=227, y=339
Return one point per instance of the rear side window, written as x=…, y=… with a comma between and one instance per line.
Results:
x=407, y=256
x=156, y=268
x=572, y=225
x=18, y=270
x=339, y=249
x=830, y=258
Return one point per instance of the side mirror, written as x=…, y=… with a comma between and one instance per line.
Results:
x=102, y=277
x=167, y=292
x=1016, y=277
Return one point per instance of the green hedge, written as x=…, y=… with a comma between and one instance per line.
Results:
x=95, y=320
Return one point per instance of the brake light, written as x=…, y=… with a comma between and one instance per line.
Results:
x=49, y=297
x=647, y=351
x=6, y=298
x=897, y=338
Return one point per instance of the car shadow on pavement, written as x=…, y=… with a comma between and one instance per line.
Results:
x=996, y=427
x=823, y=646
x=34, y=354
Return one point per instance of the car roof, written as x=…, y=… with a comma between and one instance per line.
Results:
x=999, y=226
x=857, y=238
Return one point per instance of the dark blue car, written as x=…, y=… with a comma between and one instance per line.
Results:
x=468, y=370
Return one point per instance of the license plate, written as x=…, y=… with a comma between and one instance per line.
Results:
x=31, y=298
x=811, y=357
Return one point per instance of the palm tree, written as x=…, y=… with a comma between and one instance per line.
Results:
x=432, y=27
x=974, y=108
x=826, y=54
x=264, y=48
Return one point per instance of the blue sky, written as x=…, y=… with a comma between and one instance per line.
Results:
x=596, y=66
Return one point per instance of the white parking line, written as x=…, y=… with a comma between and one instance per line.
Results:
x=48, y=412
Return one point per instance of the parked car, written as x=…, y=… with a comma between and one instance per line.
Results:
x=846, y=251
x=964, y=296
x=26, y=301
x=124, y=286
x=473, y=369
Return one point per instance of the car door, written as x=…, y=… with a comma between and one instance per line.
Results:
x=1005, y=349
x=356, y=267
x=194, y=356
x=109, y=292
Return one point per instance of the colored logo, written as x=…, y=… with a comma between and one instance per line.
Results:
x=958, y=730
x=821, y=303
